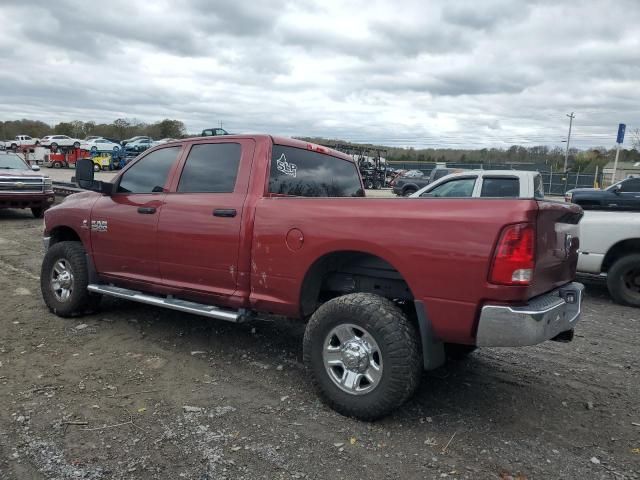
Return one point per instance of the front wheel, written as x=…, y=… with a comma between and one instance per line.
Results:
x=623, y=280
x=64, y=278
x=76, y=144
x=363, y=355
x=96, y=167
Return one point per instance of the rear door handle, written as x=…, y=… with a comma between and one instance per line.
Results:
x=225, y=212
x=147, y=210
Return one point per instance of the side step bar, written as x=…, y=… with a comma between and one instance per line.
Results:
x=209, y=311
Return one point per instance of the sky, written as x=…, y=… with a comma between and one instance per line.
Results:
x=423, y=73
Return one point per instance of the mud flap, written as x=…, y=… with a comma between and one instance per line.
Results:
x=432, y=349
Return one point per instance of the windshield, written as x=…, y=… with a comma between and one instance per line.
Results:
x=12, y=162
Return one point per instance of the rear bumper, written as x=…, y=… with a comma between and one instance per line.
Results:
x=543, y=318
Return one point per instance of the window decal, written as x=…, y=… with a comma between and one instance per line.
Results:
x=286, y=167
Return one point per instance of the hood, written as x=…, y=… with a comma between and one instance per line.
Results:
x=574, y=190
x=21, y=173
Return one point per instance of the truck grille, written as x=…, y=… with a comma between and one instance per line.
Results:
x=21, y=185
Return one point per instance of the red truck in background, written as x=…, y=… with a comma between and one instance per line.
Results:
x=235, y=226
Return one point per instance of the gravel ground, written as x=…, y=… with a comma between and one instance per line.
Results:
x=137, y=392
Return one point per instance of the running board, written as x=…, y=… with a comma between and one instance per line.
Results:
x=168, y=302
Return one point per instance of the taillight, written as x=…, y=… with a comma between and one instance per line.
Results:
x=514, y=258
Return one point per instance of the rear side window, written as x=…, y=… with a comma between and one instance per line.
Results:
x=211, y=168
x=500, y=187
x=149, y=174
x=305, y=173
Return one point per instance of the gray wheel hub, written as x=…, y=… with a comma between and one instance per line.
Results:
x=62, y=280
x=352, y=359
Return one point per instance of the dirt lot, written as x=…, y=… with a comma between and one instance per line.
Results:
x=138, y=392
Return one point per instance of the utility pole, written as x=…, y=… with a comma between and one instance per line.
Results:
x=566, y=153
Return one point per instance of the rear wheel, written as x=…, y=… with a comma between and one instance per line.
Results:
x=377, y=185
x=408, y=191
x=54, y=146
x=96, y=167
x=64, y=278
x=363, y=355
x=623, y=280
x=368, y=184
x=76, y=144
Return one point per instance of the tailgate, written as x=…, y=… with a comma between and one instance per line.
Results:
x=556, y=245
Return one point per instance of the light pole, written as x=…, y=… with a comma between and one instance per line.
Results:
x=566, y=153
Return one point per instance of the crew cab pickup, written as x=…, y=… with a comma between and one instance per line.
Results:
x=610, y=248
x=21, y=186
x=232, y=227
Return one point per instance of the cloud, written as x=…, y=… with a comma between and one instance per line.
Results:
x=489, y=73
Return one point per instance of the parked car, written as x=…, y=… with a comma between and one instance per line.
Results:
x=133, y=139
x=22, y=186
x=486, y=183
x=610, y=248
x=254, y=233
x=100, y=145
x=55, y=141
x=162, y=141
x=139, y=145
x=214, y=132
x=408, y=185
x=624, y=195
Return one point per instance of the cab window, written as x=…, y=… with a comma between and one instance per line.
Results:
x=500, y=187
x=149, y=174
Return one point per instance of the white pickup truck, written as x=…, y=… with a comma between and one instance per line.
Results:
x=610, y=247
x=21, y=141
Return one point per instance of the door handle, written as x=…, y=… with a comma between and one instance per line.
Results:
x=225, y=212
x=147, y=210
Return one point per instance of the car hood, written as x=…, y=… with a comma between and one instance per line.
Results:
x=20, y=173
x=574, y=190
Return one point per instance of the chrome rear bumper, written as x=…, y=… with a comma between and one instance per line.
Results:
x=543, y=318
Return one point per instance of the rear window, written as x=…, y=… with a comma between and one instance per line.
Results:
x=305, y=173
x=539, y=186
x=500, y=187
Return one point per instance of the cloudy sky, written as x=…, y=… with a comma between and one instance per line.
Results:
x=404, y=72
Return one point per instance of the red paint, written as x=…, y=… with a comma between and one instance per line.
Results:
x=442, y=247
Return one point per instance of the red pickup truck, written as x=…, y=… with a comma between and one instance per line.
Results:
x=237, y=226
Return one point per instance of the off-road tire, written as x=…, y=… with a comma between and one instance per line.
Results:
x=618, y=289
x=37, y=212
x=81, y=301
x=398, y=342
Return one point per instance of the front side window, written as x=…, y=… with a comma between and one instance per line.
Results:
x=149, y=174
x=305, y=173
x=457, y=188
x=631, y=185
x=211, y=168
x=500, y=187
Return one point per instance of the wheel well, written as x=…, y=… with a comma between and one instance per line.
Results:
x=64, y=234
x=339, y=273
x=620, y=249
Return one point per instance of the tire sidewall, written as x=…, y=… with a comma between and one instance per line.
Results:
x=615, y=282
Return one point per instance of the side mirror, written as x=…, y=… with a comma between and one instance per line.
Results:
x=617, y=189
x=84, y=178
x=35, y=168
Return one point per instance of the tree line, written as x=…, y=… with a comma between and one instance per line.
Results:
x=540, y=155
x=119, y=129
x=553, y=157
